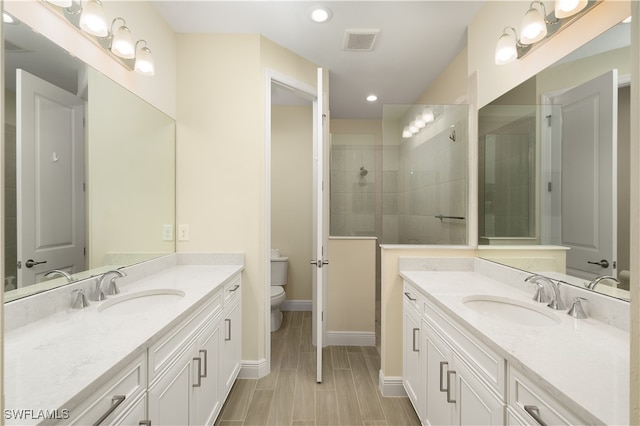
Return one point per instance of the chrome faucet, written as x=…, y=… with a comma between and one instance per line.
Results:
x=597, y=280
x=61, y=273
x=113, y=287
x=98, y=294
x=556, y=303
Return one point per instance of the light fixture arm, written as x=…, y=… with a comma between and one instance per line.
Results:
x=521, y=48
x=544, y=13
x=124, y=24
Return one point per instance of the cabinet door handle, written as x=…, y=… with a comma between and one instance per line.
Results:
x=228, y=321
x=115, y=403
x=442, y=364
x=534, y=412
x=199, y=382
x=449, y=374
x=204, y=353
x=414, y=340
x=144, y=423
x=235, y=287
x=406, y=293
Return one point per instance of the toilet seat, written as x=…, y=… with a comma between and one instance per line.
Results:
x=276, y=291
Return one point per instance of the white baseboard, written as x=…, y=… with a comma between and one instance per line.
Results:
x=351, y=338
x=391, y=386
x=296, y=305
x=253, y=369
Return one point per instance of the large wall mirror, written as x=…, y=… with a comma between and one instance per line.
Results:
x=89, y=170
x=554, y=167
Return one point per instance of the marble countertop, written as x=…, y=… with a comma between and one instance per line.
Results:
x=584, y=364
x=58, y=361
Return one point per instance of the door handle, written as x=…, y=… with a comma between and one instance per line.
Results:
x=31, y=263
x=199, y=383
x=604, y=263
x=414, y=340
x=446, y=364
x=203, y=352
x=319, y=263
x=449, y=374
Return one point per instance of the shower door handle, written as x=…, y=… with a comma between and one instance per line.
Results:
x=320, y=262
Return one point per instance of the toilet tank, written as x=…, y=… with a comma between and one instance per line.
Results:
x=279, y=268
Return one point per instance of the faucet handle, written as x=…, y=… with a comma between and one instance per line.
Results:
x=576, y=310
x=80, y=302
x=540, y=295
x=113, y=286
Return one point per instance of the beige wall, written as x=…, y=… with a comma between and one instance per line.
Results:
x=221, y=159
x=291, y=203
x=351, y=285
x=450, y=87
x=391, y=306
x=144, y=22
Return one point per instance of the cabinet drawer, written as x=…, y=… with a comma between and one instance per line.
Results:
x=488, y=364
x=232, y=289
x=523, y=392
x=173, y=343
x=412, y=297
x=130, y=382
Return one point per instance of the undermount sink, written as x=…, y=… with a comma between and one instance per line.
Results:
x=505, y=309
x=141, y=301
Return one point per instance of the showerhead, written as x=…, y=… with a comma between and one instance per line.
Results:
x=363, y=171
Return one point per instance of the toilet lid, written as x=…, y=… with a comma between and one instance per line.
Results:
x=276, y=290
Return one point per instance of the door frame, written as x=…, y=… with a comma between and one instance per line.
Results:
x=308, y=92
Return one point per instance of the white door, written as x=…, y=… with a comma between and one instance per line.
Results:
x=587, y=195
x=320, y=221
x=50, y=179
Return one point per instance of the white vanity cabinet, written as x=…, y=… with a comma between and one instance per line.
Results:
x=232, y=343
x=456, y=380
x=411, y=359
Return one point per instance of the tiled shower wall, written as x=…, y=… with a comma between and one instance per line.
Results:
x=353, y=190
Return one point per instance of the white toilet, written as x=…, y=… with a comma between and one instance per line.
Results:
x=279, y=267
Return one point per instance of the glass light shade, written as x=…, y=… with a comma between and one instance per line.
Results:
x=92, y=19
x=406, y=133
x=122, y=43
x=419, y=122
x=566, y=8
x=506, y=50
x=413, y=128
x=61, y=3
x=428, y=116
x=533, y=27
x=144, y=62
x=7, y=19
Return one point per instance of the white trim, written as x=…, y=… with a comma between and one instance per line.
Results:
x=252, y=369
x=391, y=386
x=351, y=338
x=308, y=92
x=296, y=305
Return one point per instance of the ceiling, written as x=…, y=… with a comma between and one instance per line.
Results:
x=417, y=40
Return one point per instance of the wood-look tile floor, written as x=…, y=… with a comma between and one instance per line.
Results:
x=348, y=395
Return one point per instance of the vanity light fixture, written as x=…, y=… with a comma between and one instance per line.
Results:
x=406, y=132
x=534, y=24
x=566, y=8
x=89, y=16
x=421, y=121
x=121, y=40
x=537, y=26
x=144, y=60
x=93, y=19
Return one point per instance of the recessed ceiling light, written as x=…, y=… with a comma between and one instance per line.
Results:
x=320, y=14
x=372, y=98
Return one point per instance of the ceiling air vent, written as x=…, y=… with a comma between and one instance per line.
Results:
x=359, y=40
